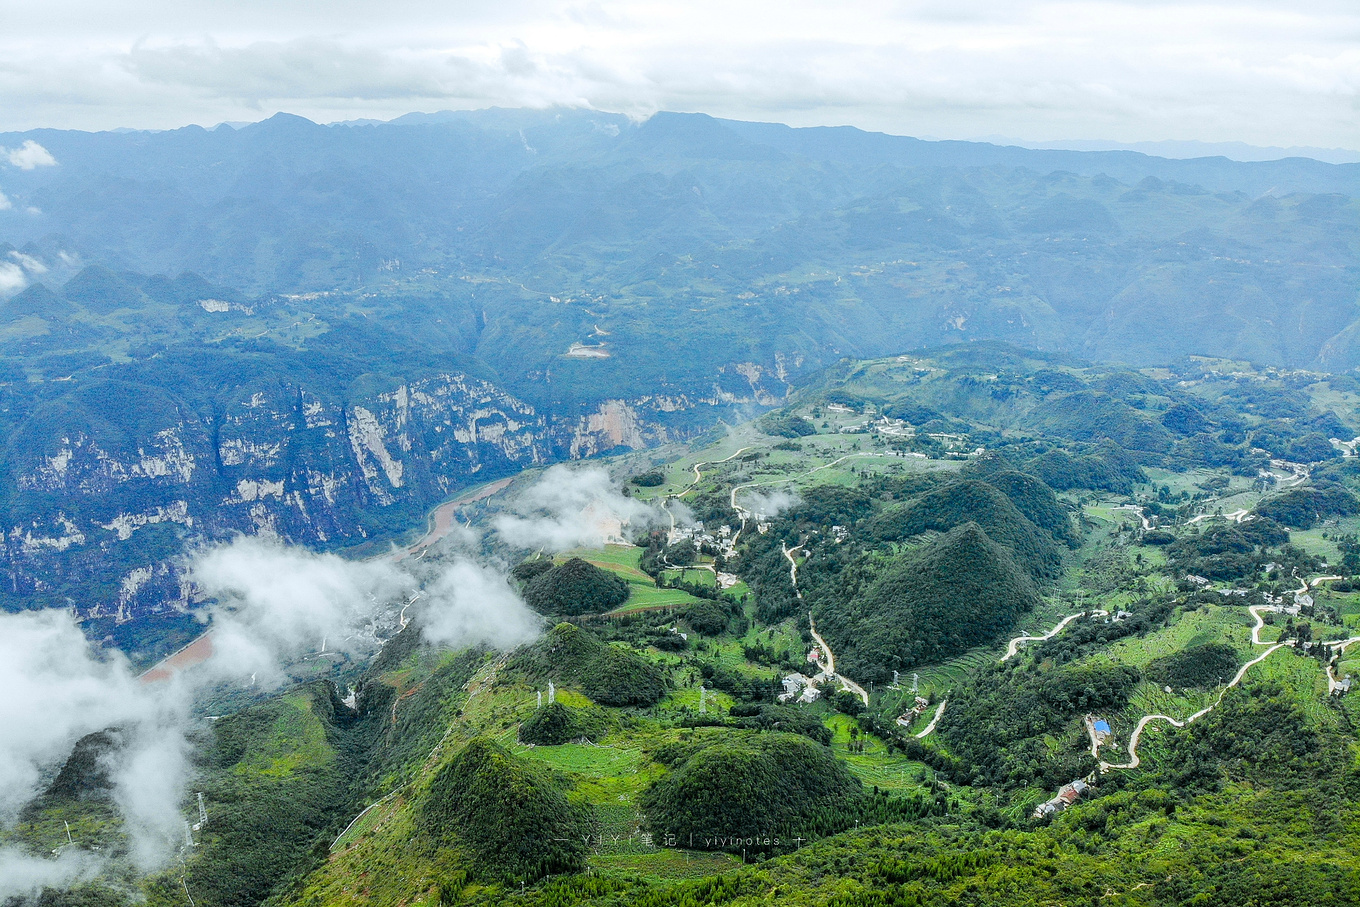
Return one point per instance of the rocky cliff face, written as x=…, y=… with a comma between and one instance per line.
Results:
x=102, y=518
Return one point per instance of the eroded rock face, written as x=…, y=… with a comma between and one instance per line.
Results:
x=102, y=517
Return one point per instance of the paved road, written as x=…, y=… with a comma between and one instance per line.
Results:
x=1257, y=612
x=1014, y=646
x=930, y=728
x=1333, y=682
x=829, y=668
x=793, y=568
x=1138, y=512
x=1147, y=719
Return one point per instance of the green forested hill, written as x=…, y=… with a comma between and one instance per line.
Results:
x=931, y=603
x=1159, y=639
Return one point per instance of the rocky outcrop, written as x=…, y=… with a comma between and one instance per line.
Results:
x=100, y=518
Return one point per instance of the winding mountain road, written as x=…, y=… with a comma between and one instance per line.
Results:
x=829, y=667
x=1014, y=647
x=930, y=728
x=1147, y=719
x=793, y=569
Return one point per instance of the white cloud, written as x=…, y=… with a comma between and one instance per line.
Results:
x=24, y=875
x=273, y=603
x=470, y=603
x=5, y=203
x=29, y=263
x=569, y=508
x=764, y=505
x=57, y=690
x=29, y=156
x=276, y=602
x=12, y=278
x=1126, y=70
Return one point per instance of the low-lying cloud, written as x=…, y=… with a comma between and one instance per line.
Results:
x=24, y=874
x=469, y=603
x=16, y=273
x=29, y=156
x=12, y=278
x=574, y=508
x=58, y=688
x=274, y=604
x=766, y=505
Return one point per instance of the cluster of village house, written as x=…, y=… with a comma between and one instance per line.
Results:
x=1067, y=795
x=722, y=541
x=802, y=687
x=917, y=709
x=1290, y=603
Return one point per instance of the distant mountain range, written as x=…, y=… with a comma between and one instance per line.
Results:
x=1236, y=151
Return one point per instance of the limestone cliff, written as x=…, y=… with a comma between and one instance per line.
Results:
x=101, y=519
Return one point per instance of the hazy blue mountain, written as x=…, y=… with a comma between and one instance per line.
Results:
x=585, y=282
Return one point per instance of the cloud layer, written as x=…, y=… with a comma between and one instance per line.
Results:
x=1249, y=70
x=274, y=603
x=573, y=507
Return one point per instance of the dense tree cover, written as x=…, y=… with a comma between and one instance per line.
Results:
x=787, y=425
x=682, y=553
x=84, y=776
x=977, y=502
x=1285, y=441
x=707, y=618
x=1260, y=733
x=508, y=815
x=1143, y=847
x=766, y=571
x=620, y=677
x=1093, y=417
x=1303, y=507
x=1086, y=637
x=609, y=674
x=956, y=591
x=737, y=683
x=999, y=726
x=833, y=505
x=1102, y=467
x=575, y=587
x=275, y=785
x=772, y=716
x=1030, y=496
x=725, y=788
x=649, y=479
x=1227, y=551
x=1185, y=419
x=1203, y=666
x=531, y=569
x=397, y=728
x=556, y=723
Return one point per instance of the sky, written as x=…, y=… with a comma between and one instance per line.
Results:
x=1265, y=72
